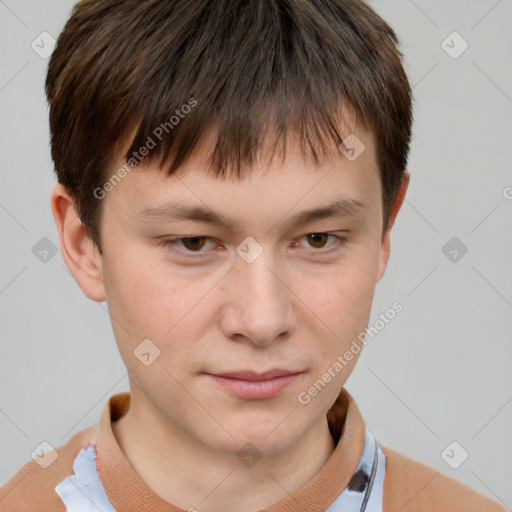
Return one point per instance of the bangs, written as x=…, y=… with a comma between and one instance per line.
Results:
x=277, y=79
x=251, y=72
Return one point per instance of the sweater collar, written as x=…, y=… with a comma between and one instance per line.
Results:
x=127, y=491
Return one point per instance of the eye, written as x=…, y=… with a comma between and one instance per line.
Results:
x=318, y=240
x=190, y=243
x=195, y=244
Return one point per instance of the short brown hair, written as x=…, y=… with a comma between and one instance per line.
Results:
x=126, y=66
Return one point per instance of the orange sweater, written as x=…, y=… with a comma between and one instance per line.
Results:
x=408, y=486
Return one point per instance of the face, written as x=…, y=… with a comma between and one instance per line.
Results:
x=270, y=290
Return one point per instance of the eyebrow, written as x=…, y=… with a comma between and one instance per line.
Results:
x=175, y=211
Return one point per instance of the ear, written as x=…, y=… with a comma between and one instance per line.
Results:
x=385, y=243
x=78, y=251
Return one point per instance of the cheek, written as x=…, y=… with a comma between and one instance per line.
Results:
x=142, y=303
x=148, y=294
x=343, y=298
x=138, y=297
x=157, y=302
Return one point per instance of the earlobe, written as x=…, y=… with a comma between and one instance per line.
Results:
x=78, y=251
x=385, y=243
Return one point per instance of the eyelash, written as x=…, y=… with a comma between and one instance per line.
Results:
x=341, y=241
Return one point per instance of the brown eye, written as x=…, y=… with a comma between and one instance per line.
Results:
x=188, y=244
x=319, y=243
x=317, y=240
x=194, y=243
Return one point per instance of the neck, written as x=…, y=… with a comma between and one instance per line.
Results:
x=166, y=460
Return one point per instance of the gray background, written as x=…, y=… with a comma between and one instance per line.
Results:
x=439, y=372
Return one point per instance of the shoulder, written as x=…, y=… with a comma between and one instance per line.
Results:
x=411, y=486
x=33, y=487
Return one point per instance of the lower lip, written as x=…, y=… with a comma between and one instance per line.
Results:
x=255, y=389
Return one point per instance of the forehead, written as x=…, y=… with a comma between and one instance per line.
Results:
x=345, y=180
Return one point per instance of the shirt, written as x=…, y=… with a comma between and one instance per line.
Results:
x=91, y=473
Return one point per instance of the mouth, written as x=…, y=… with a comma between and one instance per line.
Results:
x=253, y=385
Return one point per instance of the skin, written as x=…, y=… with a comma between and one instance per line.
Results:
x=298, y=306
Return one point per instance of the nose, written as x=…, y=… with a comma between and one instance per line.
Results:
x=259, y=305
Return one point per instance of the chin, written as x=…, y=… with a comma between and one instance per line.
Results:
x=266, y=437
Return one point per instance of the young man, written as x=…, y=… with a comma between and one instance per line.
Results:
x=229, y=173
